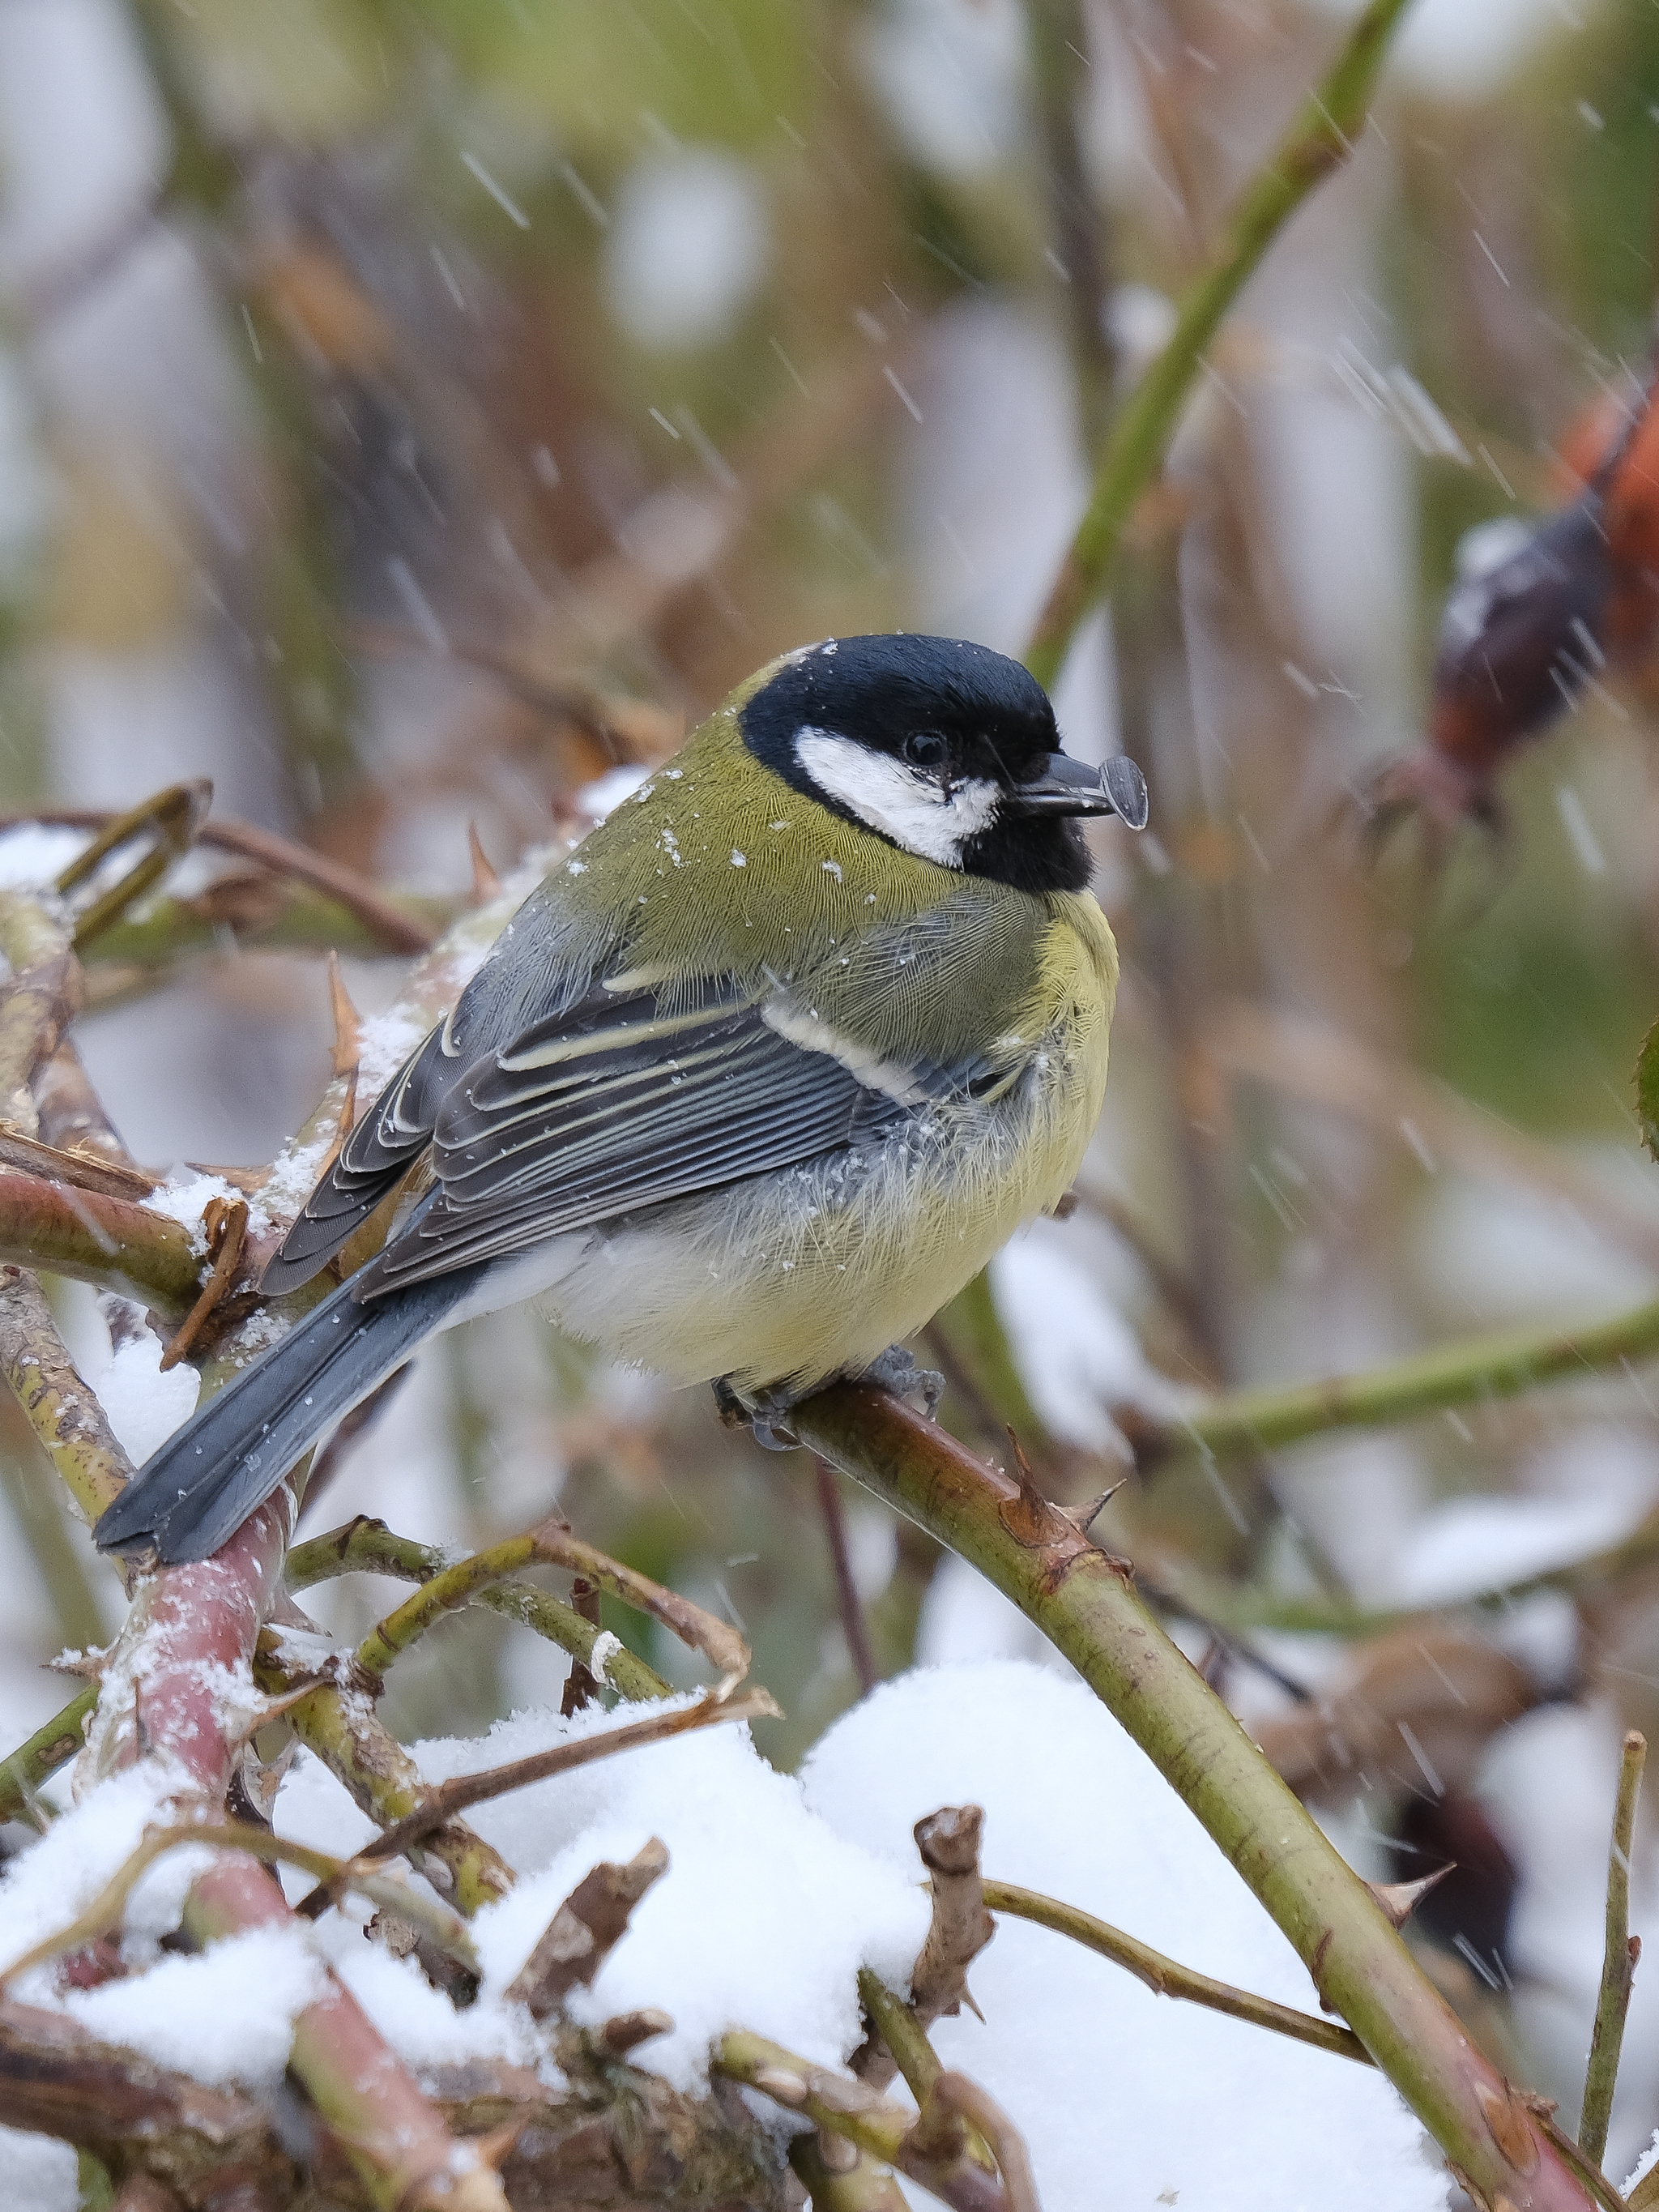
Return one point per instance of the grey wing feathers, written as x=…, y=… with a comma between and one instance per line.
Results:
x=580, y=1121
x=379, y=1153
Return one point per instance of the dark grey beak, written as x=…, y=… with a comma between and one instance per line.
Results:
x=1064, y=785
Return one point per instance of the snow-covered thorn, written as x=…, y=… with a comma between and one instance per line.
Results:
x=1400, y=1899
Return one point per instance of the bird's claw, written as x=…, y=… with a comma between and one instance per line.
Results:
x=765, y=1413
x=895, y=1371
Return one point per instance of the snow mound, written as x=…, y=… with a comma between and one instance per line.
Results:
x=1173, y=2103
x=762, y=1920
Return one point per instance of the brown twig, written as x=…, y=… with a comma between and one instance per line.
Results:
x=581, y=1689
x=960, y=1928
x=396, y=931
x=854, y=1628
x=56, y=2080
x=225, y=1221
x=445, y=1799
x=586, y=1929
x=1166, y=1979
x=106, y=1176
x=552, y=1544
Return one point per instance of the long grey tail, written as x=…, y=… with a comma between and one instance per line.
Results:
x=194, y=1493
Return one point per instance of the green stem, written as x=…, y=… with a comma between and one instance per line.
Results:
x=1165, y=1978
x=1320, y=138
x=1451, y=1375
x=52, y=1745
x=370, y=1548
x=902, y=2031
x=1082, y=1600
x=897, y=2024
x=1617, y=1962
x=30, y=1490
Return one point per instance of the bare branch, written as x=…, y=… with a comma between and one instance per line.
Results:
x=60, y=1408
x=551, y=1544
x=370, y=1548
x=1165, y=1979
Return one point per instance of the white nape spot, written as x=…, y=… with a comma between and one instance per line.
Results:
x=739, y=860
x=913, y=809
x=831, y=868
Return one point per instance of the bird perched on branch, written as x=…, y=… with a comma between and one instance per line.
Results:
x=753, y=1084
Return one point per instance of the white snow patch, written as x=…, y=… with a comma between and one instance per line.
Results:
x=41, y=2174
x=1470, y=1545
x=687, y=247
x=385, y=1043
x=1071, y=2044
x=225, y=2014
x=52, y=1882
x=606, y=793
x=762, y=1919
x=1076, y=1353
x=184, y=1197
x=144, y=1406
x=1468, y=49
x=33, y=855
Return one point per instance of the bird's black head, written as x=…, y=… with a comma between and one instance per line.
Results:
x=946, y=749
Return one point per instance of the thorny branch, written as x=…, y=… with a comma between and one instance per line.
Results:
x=1082, y=1600
x=1473, y=1371
x=958, y=1929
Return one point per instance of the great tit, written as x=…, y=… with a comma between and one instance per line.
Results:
x=756, y=1080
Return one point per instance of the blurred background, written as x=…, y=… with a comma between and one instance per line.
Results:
x=416, y=414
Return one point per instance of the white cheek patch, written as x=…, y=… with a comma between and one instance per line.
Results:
x=913, y=809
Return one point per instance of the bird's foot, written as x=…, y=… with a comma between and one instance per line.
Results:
x=765, y=1413
x=895, y=1371
x=760, y=1411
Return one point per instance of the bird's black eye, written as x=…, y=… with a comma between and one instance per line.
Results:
x=926, y=749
